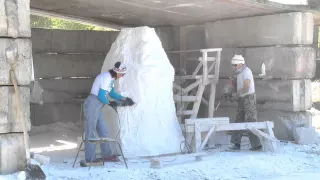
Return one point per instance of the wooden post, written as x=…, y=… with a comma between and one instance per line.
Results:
x=211, y=131
x=205, y=68
x=197, y=137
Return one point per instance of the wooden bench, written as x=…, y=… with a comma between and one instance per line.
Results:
x=194, y=127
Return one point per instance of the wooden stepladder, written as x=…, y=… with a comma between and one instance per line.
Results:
x=196, y=83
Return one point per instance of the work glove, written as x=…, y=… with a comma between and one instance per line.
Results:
x=129, y=101
x=235, y=96
x=113, y=104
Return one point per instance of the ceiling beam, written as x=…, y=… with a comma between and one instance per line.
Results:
x=46, y=13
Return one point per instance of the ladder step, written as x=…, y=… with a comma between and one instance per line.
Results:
x=200, y=59
x=186, y=112
x=191, y=77
x=186, y=98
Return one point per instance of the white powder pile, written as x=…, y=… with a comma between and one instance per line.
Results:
x=150, y=127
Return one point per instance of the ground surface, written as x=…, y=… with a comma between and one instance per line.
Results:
x=293, y=162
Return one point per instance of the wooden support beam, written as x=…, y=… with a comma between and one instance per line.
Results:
x=197, y=137
x=270, y=132
x=191, y=86
x=211, y=132
x=208, y=121
x=231, y=126
x=197, y=69
x=192, y=77
x=196, y=105
x=205, y=67
x=186, y=98
x=211, y=50
x=185, y=112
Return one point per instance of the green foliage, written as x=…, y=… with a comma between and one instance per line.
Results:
x=55, y=23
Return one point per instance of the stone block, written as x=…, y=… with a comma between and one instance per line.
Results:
x=18, y=52
x=12, y=153
x=285, y=122
x=67, y=65
x=282, y=62
x=284, y=95
x=60, y=90
x=306, y=135
x=15, y=18
x=9, y=121
x=63, y=41
x=51, y=113
x=269, y=30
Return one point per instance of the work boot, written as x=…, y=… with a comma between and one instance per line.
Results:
x=257, y=148
x=111, y=159
x=96, y=162
x=235, y=147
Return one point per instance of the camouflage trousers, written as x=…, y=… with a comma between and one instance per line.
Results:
x=247, y=112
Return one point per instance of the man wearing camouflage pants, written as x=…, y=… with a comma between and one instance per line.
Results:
x=246, y=97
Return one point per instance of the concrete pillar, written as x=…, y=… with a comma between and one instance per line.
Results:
x=15, y=48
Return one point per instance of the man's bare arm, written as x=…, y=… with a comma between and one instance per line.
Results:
x=246, y=86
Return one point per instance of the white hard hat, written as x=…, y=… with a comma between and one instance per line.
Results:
x=120, y=68
x=237, y=59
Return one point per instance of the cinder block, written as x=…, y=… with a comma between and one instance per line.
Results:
x=51, y=113
x=306, y=135
x=282, y=62
x=18, y=52
x=60, y=90
x=63, y=41
x=12, y=153
x=9, y=121
x=15, y=18
x=284, y=95
x=67, y=65
x=278, y=29
x=285, y=122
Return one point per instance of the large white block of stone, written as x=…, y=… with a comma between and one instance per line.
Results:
x=150, y=127
x=18, y=52
x=9, y=121
x=12, y=153
x=278, y=29
x=15, y=18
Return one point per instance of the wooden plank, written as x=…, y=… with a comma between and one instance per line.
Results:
x=211, y=50
x=261, y=134
x=270, y=131
x=196, y=105
x=205, y=67
x=213, y=65
x=212, y=100
x=211, y=131
x=185, y=112
x=231, y=126
x=191, y=86
x=192, y=77
x=197, y=138
x=67, y=65
x=207, y=120
x=186, y=98
x=197, y=69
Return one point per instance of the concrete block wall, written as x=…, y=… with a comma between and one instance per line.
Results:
x=65, y=66
x=283, y=42
x=15, y=49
